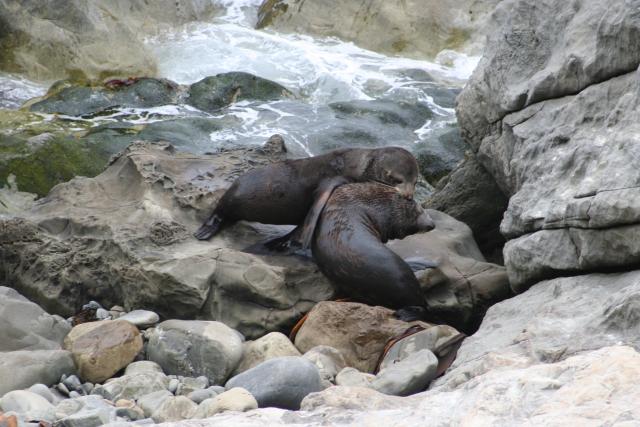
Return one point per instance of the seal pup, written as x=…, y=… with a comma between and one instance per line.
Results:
x=283, y=192
x=347, y=243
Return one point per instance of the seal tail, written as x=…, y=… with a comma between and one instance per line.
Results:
x=210, y=227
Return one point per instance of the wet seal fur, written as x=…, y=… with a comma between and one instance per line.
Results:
x=347, y=243
x=283, y=192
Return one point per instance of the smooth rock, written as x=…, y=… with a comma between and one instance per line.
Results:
x=43, y=391
x=328, y=360
x=151, y=402
x=85, y=410
x=174, y=409
x=281, y=382
x=22, y=369
x=31, y=406
x=100, y=349
x=132, y=387
x=194, y=348
x=344, y=398
x=351, y=377
x=235, y=399
x=189, y=384
x=198, y=396
x=274, y=344
x=142, y=366
x=26, y=326
x=408, y=376
x=141, y=318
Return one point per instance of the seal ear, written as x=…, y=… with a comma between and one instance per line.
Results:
x=323, y=192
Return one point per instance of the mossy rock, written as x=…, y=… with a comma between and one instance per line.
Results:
x=215, y=92
x=85, y=100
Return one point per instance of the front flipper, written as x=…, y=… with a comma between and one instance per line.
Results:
x=322, y=194
x=210, y=227
x=418, y=264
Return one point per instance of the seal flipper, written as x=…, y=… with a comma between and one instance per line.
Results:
x=210, y=227
x=322, y=194
x=410, y=313
x=418, y=264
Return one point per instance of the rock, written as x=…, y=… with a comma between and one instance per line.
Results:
x=358, y=331
x=26, y=326
x=551, y=114
x=433, y=339
x=133, y=386
x=72, y=382
x=151, y=402
x=100, y=349
x=235, y=399
x=274, y=344
x=174, y=383
x=212, y=93
x=415, y=29
x=143, y=366
x=188, y=384
x=31, y=406
x=463, y=285
x=174, y=409
x=281, y=382
x=408, y=376
x=351, y=398
x=198, y=396
x=22, y=369
x=43, y=391
x=351, y=377
x=146, y=257
x=90, y=39
x=471, y=195
x=141, y=318
x=194, y=348
x=328, y=360
x=85, y=411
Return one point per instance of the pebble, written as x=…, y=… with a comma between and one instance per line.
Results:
x=200, y=395
x=43, y=391
x=72, y=382
x=351, y=377
x=173, y=385
x=102, y=314
x=236, y=399
x=141, y=318
x=63, y=389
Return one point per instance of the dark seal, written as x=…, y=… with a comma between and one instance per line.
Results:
x=348, y=246
x=283, y=192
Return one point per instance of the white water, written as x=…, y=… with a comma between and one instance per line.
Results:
x=319, y=71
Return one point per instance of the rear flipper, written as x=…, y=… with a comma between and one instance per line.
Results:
x=210, y=227
x=418, y=264
x=284, y=245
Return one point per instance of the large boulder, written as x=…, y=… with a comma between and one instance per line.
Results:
x=124, y=238
x=22, y=369
x=88, y=39
x=411, y=28
x=552, y=112
x=194, y=348
x=26, y=326
x=100, y=349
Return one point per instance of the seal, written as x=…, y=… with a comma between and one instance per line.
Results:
x=347, y=243
x=283, y=192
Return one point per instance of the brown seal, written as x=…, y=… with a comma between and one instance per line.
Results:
x=283, y=192
x=348, y=240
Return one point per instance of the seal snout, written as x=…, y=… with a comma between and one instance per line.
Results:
x=425, y=222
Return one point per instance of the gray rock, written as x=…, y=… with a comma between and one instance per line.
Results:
x=174, y=383
x=281, y=382
x=351, y=377
x=88, y=418
x=236, y=399
x=328, y=360
x=274, y=344
x=408, y=376
x=152, y=401
x=151, y=260
x=200, y=395
x=31, y=406
x=142, y=366
x=102, y=314
x=131, y=387
x=141, y=318
x=85, y=410
x=174, y=409
x=43, y=391
x=194, y=348
x=62, y=388
x=26, y=326
x=189, y=384
x=22, y=369
x=72, y=382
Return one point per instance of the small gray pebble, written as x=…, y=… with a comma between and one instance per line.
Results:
x=217, y=389
x=102, y=314
x=63, y=389
x=74, y=394
x=198, y=396
x=128, y=413
x=203, y=380
x=93, y=305
x=173, y=385
x=72, y=382
x=87, y=387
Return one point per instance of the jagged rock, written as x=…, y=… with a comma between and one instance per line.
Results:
x=463, y=285
x=351, y=377
x=358, y=331
x=274, y=344
x=407, y=376
x=26, y=326
x=100, y=349
x=22, y=369
x=194, y=348
x=328, y=360
x=174, y=409
x=417, y=29
x=281, y=382
x=133, y=246
x=30, y=405
x=552, y=112
x=236, y=399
